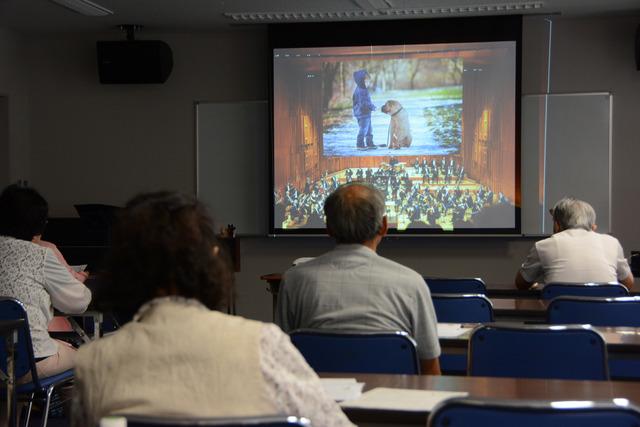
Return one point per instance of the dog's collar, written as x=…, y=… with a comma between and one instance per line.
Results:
x=401, y=108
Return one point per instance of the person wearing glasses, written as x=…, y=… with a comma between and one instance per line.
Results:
x=575, y=253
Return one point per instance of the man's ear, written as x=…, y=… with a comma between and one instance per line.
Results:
x=384, y=227
x=594, y=227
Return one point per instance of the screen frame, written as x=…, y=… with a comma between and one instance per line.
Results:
x=398, y=32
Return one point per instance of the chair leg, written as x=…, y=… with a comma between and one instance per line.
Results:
x=45, y=411
x=28, y=418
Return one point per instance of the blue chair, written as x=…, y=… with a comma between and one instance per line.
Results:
x=623, y=311
x=364, y=352
x=39, y=388
x=538, y=351
x=612, y=290
x=277, y=421
x=455, y=286
x=525, y=413
x=460, y=308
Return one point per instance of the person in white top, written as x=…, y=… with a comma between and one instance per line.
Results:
x=34, y=275
x=575, y=253
x=179, y=357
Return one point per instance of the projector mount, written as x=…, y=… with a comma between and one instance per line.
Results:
x=130, y=29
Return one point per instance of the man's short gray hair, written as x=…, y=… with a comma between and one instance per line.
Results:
x=354, y=212
x=573, y=213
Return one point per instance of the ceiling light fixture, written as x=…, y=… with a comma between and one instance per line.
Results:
x=85, y=7
x=527, y=6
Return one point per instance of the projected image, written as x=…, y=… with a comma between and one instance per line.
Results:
x=431, y=126
x=372, y=108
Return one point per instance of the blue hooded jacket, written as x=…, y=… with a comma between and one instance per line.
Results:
x=362, y=105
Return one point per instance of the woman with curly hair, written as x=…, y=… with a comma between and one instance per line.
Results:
x=179, y=357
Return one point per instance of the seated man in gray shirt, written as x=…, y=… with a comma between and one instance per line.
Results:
x=353, y=288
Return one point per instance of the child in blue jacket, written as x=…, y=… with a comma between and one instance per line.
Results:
x=362, y=108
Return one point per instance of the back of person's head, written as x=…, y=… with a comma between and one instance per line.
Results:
x=23, y=212
x=573, y=213
x=354, y=212
x=164, y=244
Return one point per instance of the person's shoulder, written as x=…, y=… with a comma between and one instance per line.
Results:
x=608, y=239
x=46, y=244
x=204, y=318
x=309, y=266
x=272, y=333
x=94, y=353
x=548, y=242
x=26, y=247
x=401, y=271
x=12, y=241
x=549, y=239
x=232, y=320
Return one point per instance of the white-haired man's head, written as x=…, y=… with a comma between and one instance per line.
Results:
x=571, y=213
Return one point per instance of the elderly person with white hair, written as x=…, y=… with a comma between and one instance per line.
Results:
x=575, y=253
x=352, y=287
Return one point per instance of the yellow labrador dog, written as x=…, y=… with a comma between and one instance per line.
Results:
x=399, y=129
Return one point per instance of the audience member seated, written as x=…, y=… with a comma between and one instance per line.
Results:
x=353, y=288
x=575, y=253
x=80, y=276
x=34, y=275
x=179, y=357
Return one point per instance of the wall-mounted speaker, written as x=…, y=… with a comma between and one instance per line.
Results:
x=134, y=61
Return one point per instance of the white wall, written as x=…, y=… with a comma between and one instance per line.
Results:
x=103, y=143
x=14, y=144
x=598, y=55
x=95, y=143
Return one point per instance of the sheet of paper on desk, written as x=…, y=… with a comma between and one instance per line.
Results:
x=340, y=389
x=451, y=330
x=398, y=399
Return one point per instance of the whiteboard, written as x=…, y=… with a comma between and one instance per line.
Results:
x=232, y=155
x=565, y=151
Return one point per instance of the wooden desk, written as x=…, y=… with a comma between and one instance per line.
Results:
x=623, y=348
x=9, y=332
x=482, y=387
x=96, y=318
x=495, y=291
x=620, y=339
x=520, y=309
x=499, y=290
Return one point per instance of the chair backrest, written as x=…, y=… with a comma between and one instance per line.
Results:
x=455, y=286
x=612, y=290
x=277, y=421
x=462, y=308
x=524, y=413
x=12, y=309
x=624, y=311
x=365, y=352
x=538, y=351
